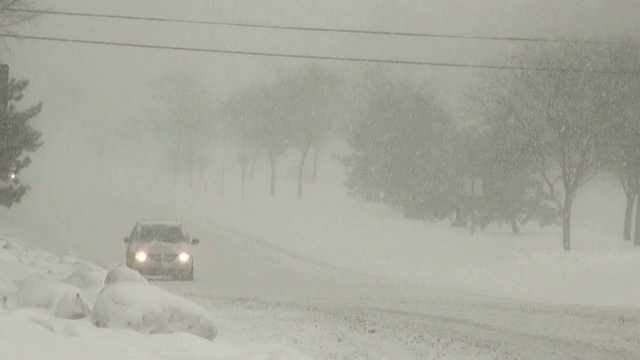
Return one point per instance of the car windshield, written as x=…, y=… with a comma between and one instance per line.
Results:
x=163, y=233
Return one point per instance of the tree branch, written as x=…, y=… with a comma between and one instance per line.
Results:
x=552, y=189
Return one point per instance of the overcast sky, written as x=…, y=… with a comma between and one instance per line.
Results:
x=86, y=87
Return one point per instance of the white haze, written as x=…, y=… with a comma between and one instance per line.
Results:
x=96, y=94
x=99, y=169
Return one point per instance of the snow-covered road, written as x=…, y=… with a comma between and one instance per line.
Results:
x=260, y=293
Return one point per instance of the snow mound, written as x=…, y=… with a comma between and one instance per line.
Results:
x=69, y=258
x=87, y=277
x=34, y=334
x=13, y=245
x=63, y=300
x=6, y=286
x=123, y=273
x=149, y=309
x=46, y=295
x=8, y=256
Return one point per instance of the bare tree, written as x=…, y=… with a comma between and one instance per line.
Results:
x=309, y=109
x=622, y=108
x=273, y=125
x=241, y=112
x=184, y=124
x=557, y=116
x=261, y=122
x=14, y=12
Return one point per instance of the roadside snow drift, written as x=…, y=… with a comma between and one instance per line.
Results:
x=32, y=334
x=63, y=300
x=123, y=273
x=148, y=309
x=122, y=297
x=55, y=308
x=87, y=277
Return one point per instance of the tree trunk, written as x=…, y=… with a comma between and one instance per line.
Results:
x=243, y=172
x=316, y=163
x=628, y=216
x=458, y=220
x=566, y=222
x=273, y=175
x=201, y=172
x=176, y=171
x=192, y=166
x=636, y=238
x=223, y=179
x=514, y=227
x=243, y=168
x=253, y=167
x=303, y=159
x=473, y=206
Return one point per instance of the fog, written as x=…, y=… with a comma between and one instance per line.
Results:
x=108, y=134
x=98, y=99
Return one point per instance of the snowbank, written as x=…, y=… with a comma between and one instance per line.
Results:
x=46, y=314
x=88, y=277
x=123, y=273
x=148, y=309
x=69, y=288
x=30, y=334
x=63, y=300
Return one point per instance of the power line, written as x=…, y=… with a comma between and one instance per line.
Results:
x=316, y=29
x=310, y=57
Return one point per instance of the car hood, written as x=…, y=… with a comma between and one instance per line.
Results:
x=159, y=247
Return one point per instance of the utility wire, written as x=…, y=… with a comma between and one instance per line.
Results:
x=315, y=29
x=311, y=57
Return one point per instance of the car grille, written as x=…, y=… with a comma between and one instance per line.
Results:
x=163, y=257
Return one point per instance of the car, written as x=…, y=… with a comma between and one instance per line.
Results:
x=159, y=247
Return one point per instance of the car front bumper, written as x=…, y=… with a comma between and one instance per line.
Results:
x=156, y=268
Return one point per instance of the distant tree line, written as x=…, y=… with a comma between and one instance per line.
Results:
x=539, y=135
x=296, y=111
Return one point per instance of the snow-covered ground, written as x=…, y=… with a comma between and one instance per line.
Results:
x=44, y=315
x=336, y=278
x=343, y=317
x=330, y=228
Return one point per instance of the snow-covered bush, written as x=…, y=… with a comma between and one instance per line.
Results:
x=4, y=291
x=63, y=300
x=87, y=277
x=123, y=273
x=149, y=309
x=6, y=286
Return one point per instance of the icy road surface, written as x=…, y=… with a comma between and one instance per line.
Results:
x=260, y=293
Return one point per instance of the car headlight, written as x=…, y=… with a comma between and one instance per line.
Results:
x=184, y=257
x=141, y=256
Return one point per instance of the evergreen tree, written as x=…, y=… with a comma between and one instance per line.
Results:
x=17, y=138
